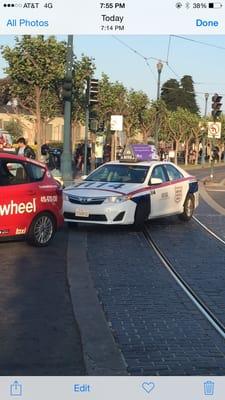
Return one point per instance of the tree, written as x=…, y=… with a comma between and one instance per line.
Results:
x=187, y=95
x=111, y=100
x=180, y=94
x=137, y=104
x=83, y=69
x=170, y=94
x=14, y=128
x=35, y=67
x=178, y=127
x=4, y=91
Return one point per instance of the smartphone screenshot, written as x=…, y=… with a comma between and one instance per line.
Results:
x=112, y=200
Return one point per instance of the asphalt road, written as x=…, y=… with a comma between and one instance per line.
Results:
x=38, y=332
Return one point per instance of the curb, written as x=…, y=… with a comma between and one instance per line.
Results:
x=208, y=199
x=101, y=354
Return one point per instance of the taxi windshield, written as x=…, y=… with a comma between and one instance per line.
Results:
x=119, y=173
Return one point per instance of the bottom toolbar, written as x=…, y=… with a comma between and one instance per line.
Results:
x=101, y=388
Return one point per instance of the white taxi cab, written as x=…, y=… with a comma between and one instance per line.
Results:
x=127, y=192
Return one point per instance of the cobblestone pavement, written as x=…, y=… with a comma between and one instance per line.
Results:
x=206, y=214
x=211, y=218
x=38, y=333
x=158, y=329
x=196, y=256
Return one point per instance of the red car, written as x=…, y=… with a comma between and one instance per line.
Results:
x=30, y=200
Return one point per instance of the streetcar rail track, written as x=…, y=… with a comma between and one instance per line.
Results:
x=202, y=307
x=209, y=230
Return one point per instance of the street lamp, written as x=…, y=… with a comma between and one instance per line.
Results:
x=203, y=137
x=206, y=103
x=159, y=67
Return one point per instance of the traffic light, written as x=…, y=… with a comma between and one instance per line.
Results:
x=67, y=88
x=93, y=125
x=93, y=91
x=216, y=105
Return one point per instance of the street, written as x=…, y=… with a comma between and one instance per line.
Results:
x=151, y=326
x=39, y=335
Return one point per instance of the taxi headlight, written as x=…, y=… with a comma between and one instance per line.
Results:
x=116, y=199
x=65, y=197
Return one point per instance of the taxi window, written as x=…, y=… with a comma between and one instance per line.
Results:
x=12, y=173
x=36, y=173
x=173, y=172
x=120, y=173
x=159, y=172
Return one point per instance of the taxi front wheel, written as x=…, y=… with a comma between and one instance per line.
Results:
x=41, y=230
x=140, y=217
x=189, y=206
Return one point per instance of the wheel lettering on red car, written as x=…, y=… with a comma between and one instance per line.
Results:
x=13, y=208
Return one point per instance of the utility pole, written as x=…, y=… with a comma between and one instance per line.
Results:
x=216, y=111
x=67, y=96
x=159, y=67
x=204, y=133
x=86, y=125
x=91, y=100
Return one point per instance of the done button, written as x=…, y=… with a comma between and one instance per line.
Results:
x=206, y=23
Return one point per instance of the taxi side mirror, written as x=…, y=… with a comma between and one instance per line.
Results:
x=83, y=177
x=155, y=181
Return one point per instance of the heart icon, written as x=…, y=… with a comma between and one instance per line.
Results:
x=148, y=386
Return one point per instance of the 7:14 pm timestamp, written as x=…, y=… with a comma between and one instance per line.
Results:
x=118, y=28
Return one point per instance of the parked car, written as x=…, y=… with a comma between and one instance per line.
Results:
x=30, y=200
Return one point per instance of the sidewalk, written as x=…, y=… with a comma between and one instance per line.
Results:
x=101, y=354
x=212, y=190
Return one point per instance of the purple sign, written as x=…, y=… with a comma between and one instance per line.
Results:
x=144, y=152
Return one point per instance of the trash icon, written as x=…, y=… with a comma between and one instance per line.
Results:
x=209, y=388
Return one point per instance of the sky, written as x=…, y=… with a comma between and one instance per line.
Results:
x=123, y=58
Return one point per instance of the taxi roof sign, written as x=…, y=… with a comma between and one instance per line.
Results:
x=139, y=152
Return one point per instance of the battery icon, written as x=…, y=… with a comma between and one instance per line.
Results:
x=215, y=5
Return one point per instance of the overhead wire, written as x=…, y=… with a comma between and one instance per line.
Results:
x=199, y=42
x=166, y=62
x=146, y=59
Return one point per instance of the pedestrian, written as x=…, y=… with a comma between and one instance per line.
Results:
x=162, y=154
x=77, y=156
x=25, y=150
x=45, y=148
x=191, y=156
x=45, y=152
x=1, y=142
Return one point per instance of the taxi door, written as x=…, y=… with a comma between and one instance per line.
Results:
x=179, y=188
x=160, y=193
x=18, y=202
